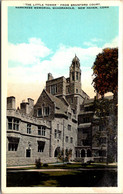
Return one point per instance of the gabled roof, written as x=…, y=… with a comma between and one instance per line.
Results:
x=61, y=107
x=85, y=93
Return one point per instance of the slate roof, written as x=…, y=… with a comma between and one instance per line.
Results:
x=61, y=108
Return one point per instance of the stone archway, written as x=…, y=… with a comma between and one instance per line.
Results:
x=82, y=153
x=57, y=151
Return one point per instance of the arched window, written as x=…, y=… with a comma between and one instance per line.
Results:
x=88, y=153
x=82, y=153
x=57, y=151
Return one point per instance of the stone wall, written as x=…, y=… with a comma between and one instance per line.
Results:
x=26, y=140
x=60, y=83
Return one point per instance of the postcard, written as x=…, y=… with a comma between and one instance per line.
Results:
x=62, y=96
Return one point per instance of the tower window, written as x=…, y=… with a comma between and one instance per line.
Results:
x=53, y=89
x=73, y=76
x=76, y=90
x=77, y=75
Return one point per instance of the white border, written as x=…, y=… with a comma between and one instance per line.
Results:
x=5, y=189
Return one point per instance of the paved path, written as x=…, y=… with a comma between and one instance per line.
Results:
x=60, y=170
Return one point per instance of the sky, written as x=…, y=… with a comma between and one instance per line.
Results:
x=46, y=40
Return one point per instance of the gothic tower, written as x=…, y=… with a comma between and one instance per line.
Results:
x=75, y=76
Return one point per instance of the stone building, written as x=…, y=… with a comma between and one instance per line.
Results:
x=96, y=133
x=61, y=119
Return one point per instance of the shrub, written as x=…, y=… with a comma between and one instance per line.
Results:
x=90, y=161
x=68, y=162
x=45, y=165
x=38, y=163
x=84, y=164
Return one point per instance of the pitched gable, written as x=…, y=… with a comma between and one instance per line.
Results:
x=60, y=106
x=43, y=102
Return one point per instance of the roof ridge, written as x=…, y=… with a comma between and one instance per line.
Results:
x=53, y=98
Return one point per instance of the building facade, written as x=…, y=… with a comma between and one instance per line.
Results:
x=61, y=119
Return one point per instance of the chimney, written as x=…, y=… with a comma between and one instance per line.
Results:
x=11, y=103
x=27, y=107
x=31, y=105
x=50, y=77
x=24, y=107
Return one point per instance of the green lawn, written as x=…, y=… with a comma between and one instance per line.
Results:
x=95, y=178
x=71, y=166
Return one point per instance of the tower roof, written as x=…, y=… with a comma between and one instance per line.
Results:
x=75, y=59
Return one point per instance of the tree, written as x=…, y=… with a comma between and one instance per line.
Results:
x=107, y=122
x=64, y=156
x=68, y=155
x=105, y=71
x=61, y=155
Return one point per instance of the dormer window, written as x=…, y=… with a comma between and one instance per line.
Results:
x=39, y=112
x=46, y=111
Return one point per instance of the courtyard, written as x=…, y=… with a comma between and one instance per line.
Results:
x=63, y=175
